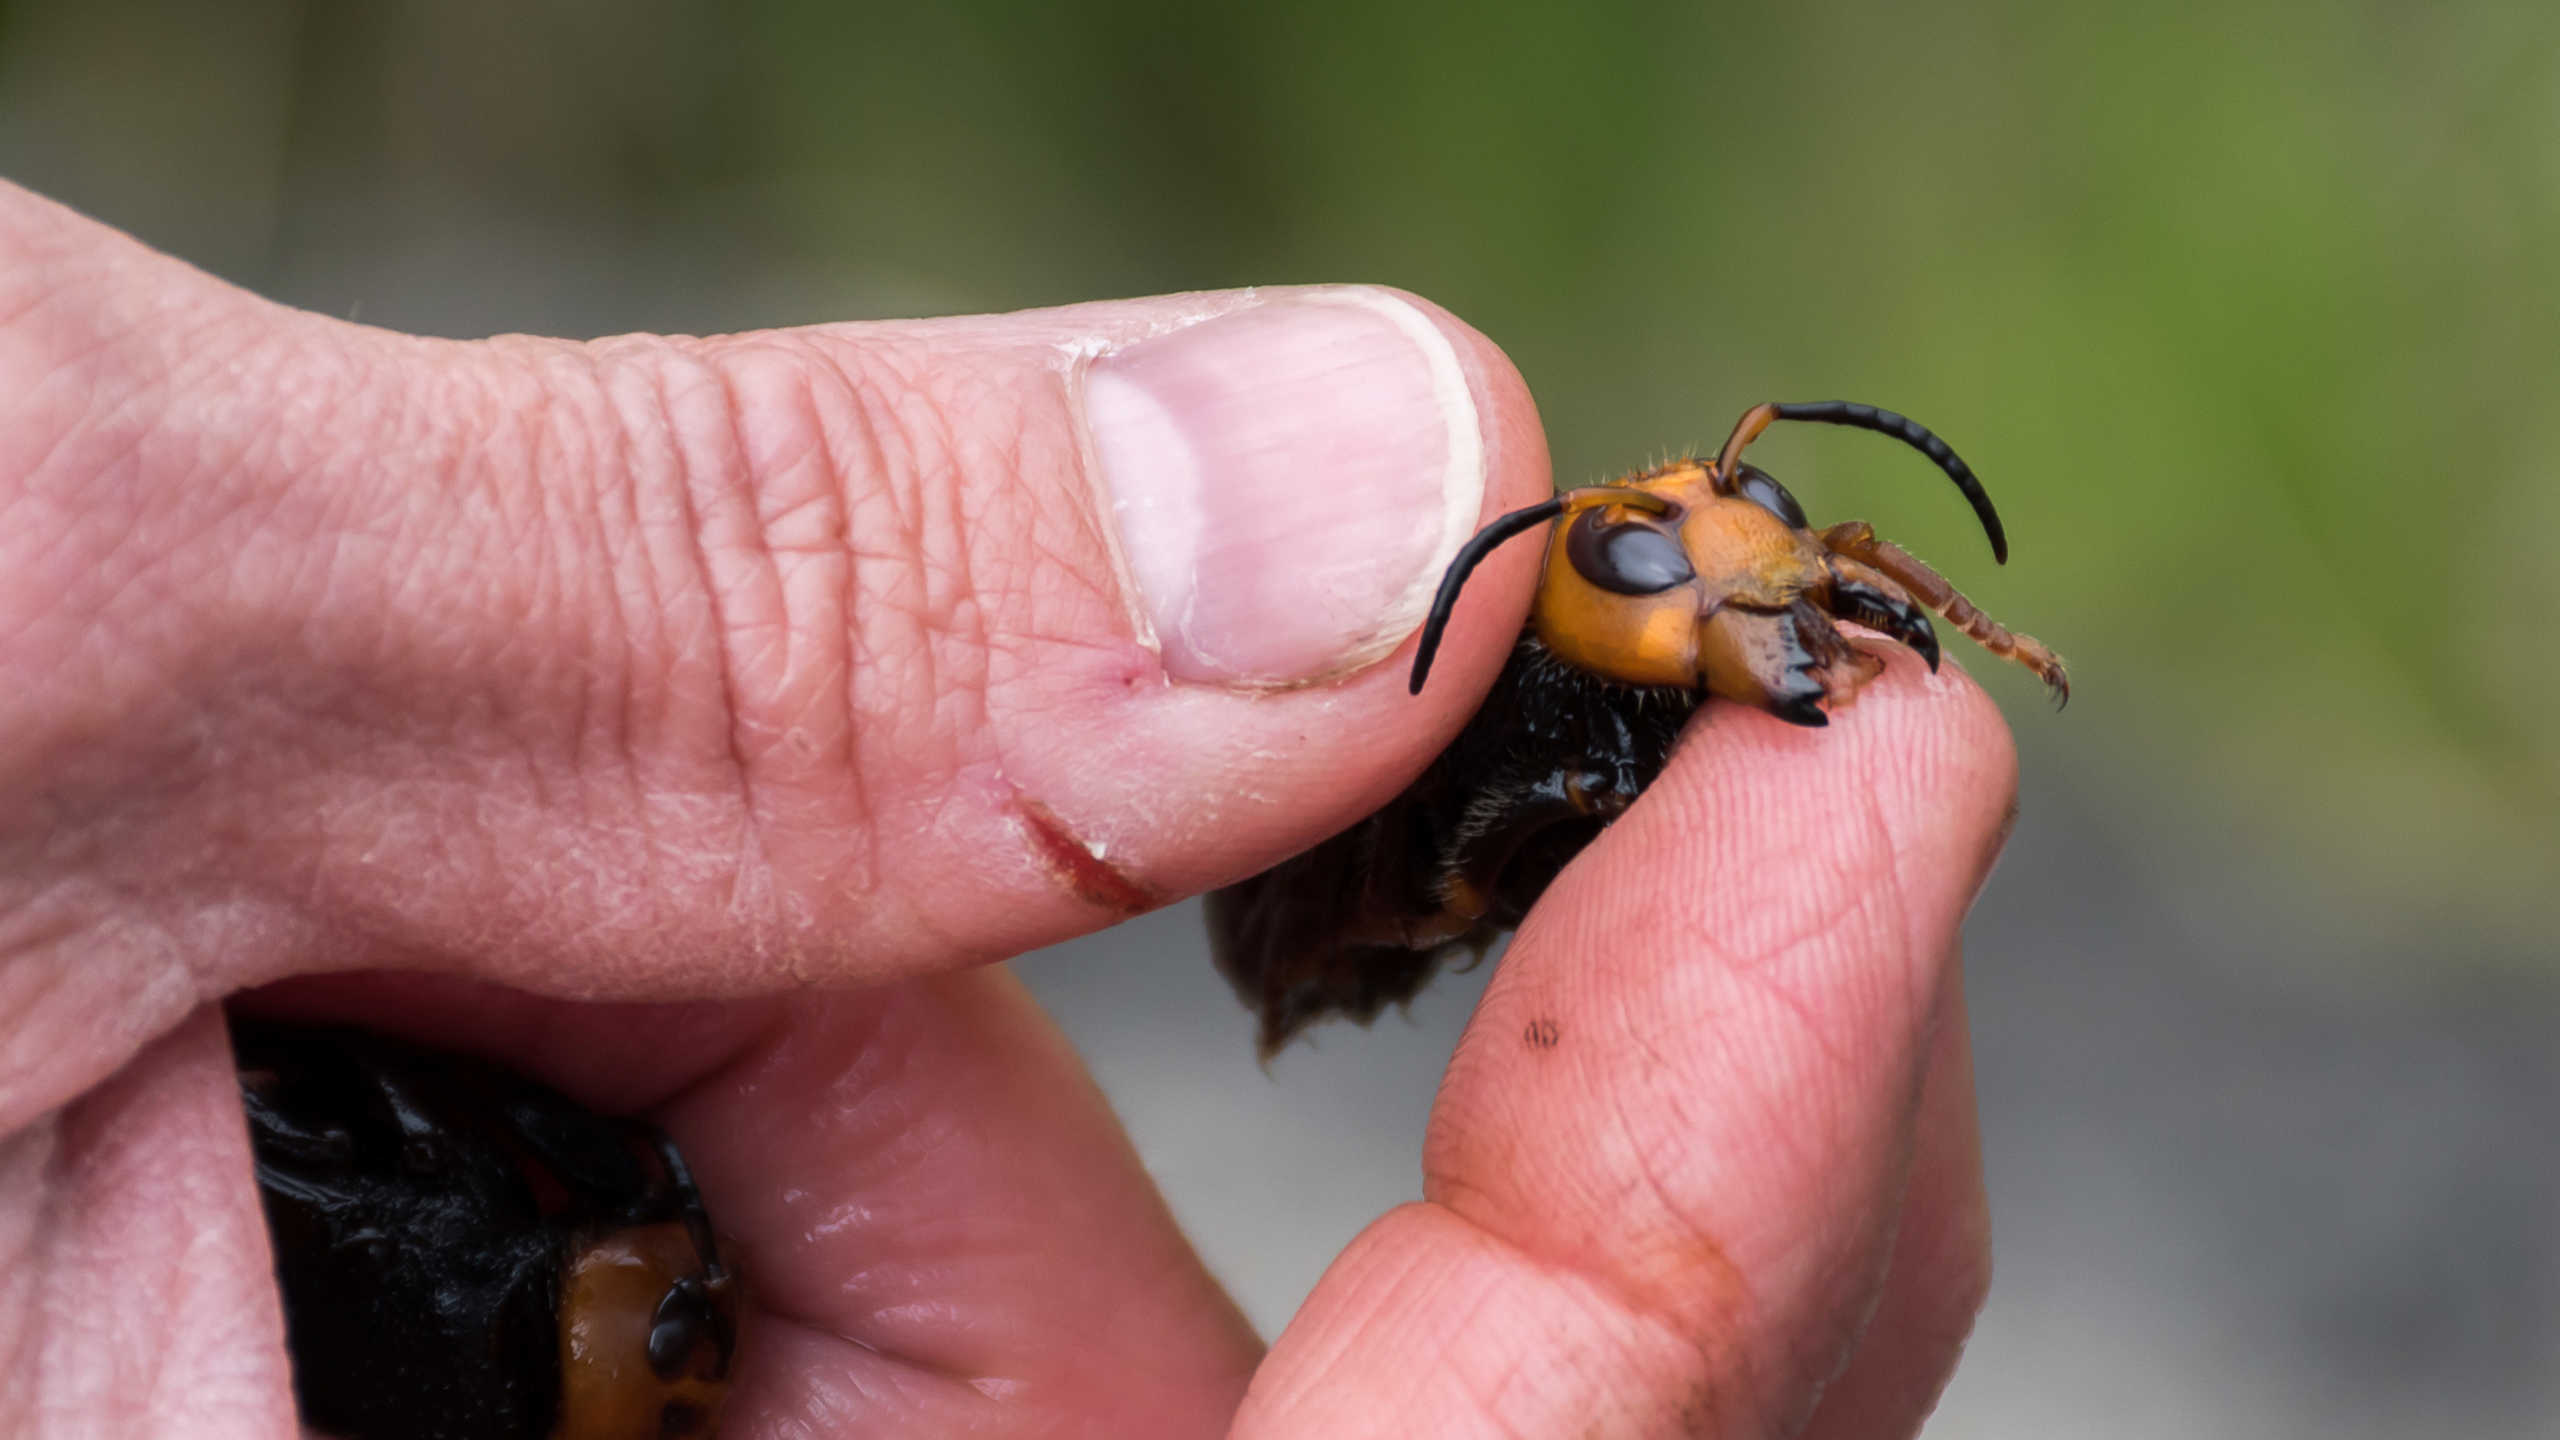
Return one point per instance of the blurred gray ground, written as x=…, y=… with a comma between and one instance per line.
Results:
x=2233, y=1194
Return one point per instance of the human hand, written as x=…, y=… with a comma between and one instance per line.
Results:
x=689, y=720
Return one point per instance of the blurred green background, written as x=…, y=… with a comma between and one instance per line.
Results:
x=2248, y=314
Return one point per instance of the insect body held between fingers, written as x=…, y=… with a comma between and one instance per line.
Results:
x=464, y=1253
x=1697, y=578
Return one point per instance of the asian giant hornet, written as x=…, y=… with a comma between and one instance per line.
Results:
x=465, y=1253
x=1660, y=589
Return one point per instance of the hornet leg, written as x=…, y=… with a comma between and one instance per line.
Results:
x=1856, y=540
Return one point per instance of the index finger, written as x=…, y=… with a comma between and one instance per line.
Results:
x=1662, y=1175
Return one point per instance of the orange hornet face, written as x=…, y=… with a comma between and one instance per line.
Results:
x=1707, y=576
x=1689, y=588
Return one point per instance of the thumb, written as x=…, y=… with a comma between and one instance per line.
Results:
x=662, y=665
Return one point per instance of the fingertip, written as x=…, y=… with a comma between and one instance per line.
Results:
x=1775, y=827
x=1938, y=756
x=1254, y=769
x=1712, y=1031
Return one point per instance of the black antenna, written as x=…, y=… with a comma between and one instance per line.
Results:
x=1916, y=435
x=697, y=1221
x=1470, y=555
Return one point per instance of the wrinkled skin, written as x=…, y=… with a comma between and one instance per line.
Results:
x=552, y=666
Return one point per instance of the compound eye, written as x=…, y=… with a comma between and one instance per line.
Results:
x=1629, y=557
x=1762, y=489
x=684, y=1320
